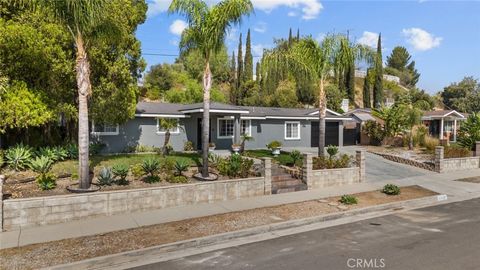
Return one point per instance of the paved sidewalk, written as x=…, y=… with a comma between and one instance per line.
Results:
x=441, y=183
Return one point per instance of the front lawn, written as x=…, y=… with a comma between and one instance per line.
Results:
x=284, y=158
x=97, y=162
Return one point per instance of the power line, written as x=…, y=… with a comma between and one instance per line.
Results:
x=177, y=55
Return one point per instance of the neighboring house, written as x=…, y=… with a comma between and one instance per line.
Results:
x=444, y=124
x=360, y=116
x=292, y=127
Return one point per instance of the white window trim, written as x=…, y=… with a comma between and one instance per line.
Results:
x=218, y=127
x=249, y=129
x=285, y=132
x=177, y=131
x=93, y=132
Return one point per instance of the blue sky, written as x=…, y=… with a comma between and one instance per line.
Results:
x=443, y=37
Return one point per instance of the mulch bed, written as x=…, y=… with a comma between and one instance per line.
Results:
x=75, y=249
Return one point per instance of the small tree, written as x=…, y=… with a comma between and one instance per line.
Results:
x=470, y=131
x=168, y=125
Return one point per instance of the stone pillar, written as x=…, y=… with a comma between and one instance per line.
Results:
x=439, y=159
x=267, y=166
x=2, y=179
x=360, y=156
x=340, y=134
x=307, y=169
x=477, y=149
x=237, y=131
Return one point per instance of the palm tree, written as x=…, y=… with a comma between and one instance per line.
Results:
x=316, y=61
x=207, y=28
x=84, y=19
x=168, y=124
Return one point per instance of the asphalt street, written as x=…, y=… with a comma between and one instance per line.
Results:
x=439, y=237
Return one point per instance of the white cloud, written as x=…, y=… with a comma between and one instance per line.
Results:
x=260, y=27
x=420, y=39
x=156, y=7
x=257, y=49
x=177, y=27
x=309, y=8
x=368, y=39
x=291, y=14
x=232, y=34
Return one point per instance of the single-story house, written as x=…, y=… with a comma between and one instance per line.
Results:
x=443, y=124
x=359, y=117
x=292, y=127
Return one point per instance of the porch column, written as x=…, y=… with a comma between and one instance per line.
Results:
x=441, y=129
x=455, y=130
x=340, y=134
x=237, y=131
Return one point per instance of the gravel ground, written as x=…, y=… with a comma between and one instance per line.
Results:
x=416, y=154
x=75, y=249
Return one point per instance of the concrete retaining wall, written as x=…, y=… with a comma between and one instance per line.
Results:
x=454, y=164
x=333, y=177
x=19, y=213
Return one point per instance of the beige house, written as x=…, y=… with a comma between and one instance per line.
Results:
x=444, y=124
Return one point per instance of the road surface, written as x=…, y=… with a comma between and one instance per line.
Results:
x=440, y=237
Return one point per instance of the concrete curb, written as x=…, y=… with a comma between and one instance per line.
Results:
x=102, y=262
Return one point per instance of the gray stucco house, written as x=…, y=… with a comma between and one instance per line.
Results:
x=292, y=127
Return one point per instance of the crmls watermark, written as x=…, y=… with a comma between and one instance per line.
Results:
x=362, y=263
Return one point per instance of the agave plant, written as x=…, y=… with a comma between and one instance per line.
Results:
x=41, y=165
x=60, y=152
x=121, y=171
x=151, y=166
x=72, y=151
x=105, y=177
x=181, y=166
x=18, y=157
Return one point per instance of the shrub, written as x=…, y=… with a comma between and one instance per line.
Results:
x=168, y=165
x=235, y=166
x=95, y=148
x=72, y=151
x=181, y=166
x=2, y=161
x=18, y=157
x=455, y=151
x=430, y=143
x=166, y=150
x=343, y=161
x=151, y=166
x=332, y=150
x=41, y=164
x=188, y=146
x=348, y=199
x=274, y=144
x=296, y=156
x=56, y=153
x=177, y=179
x=47, y=181
x=152, y=179
x=391, y=189
x=121, y=171
x=470, y=131
x=137, y=170
x=419, y=134
x=374, y=131
x=105, y=177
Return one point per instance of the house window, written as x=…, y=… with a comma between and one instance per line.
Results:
x=225, y=127
x=104, y=129
x=175, y=130
x=292, y=130
x=246, y=127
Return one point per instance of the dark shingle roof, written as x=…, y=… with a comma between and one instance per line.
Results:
x=441, y=113
x=254, y=111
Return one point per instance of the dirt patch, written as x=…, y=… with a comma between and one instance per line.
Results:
x=75, y=249
x=475, y=179
x=417, y=154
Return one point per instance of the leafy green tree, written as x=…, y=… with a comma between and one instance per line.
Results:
x=399, y=58
x=207, y=28
x=168, y=124
x=159, y=78
x=463, y=96
x=258, y=72
x=334, y=97
x=219, y=64
x=248, y=69
x=285, y=96
x=378, y=84
x=399, y=64
x=22, y=108
x=470, y=131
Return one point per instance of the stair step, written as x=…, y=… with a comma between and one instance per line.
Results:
x=285, y=189
x=287, y=182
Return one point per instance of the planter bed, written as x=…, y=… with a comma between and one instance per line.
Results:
x=417, y=157
x=75, y=249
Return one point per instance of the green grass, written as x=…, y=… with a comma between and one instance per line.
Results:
x=284, y=157
x=71, y=166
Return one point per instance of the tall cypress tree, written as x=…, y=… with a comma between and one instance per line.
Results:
x=248, y=69
x=378, y=86
x=233, y=79
x=298, y=34
x=258, y=72
x=367, y=87
x=290, y=37
x=350, y=82
x=239, y=63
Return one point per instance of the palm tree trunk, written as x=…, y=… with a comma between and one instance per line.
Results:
x=322, y=112
x=207, y=84
x=165, y=143
x=84, y=89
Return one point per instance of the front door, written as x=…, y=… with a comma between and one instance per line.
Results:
x=199, y=133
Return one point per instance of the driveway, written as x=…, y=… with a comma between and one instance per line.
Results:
x=378, y=168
